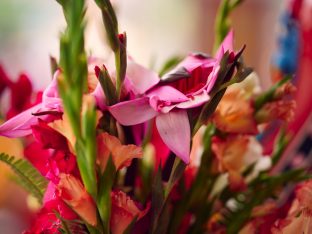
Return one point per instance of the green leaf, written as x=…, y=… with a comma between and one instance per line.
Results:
x=27, y=175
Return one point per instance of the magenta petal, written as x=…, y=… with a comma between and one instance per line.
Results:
x=99, y=96
x=19, y=125
x=226, y=45
x=141, y=78
x=167, y=93
x=191, y=62
x=196, y=100
x=174, y=129
x=133, y=112
x=212, y=78
x=50, y=96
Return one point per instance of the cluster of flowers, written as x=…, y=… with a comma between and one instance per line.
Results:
x=220, y=179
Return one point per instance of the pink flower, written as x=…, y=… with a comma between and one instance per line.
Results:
x=47, y=220
x=48, y=110
x=168, y=99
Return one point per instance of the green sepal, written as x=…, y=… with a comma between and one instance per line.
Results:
x=110, y=23
x=269, y=95
x=53, y=65
x=107, y=86
x=123, y=57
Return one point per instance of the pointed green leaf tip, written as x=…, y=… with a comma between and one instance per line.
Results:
x=27, y=175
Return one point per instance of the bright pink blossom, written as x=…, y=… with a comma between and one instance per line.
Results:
x=167, y=99
x=48, y=110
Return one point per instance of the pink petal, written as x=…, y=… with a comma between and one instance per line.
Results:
x=174, y=129
x=99, y=97
x=167, y=93
x=195, y=101
x=19, y=125
x=141, y=78
x=133, y=112
x=50, y=96
x=212, y=78
x=226, y=45
x=191, y=62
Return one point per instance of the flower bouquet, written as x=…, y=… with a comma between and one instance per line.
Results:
x=113, y=147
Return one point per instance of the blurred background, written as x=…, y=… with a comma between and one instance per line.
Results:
x=156, y=29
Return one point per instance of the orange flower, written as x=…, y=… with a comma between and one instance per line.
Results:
x=230, y=157
x=124, y=210
x=230, y=153
x=71, y=190
x=121, y=154
x=235, y=114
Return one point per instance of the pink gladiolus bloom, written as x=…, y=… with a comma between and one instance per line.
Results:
x=48, y=110
x=187, y=86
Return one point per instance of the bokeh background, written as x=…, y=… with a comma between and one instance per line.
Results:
x=156, y=29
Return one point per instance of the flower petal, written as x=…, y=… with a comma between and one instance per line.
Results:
x=167, y=93
x=99, y=97
x=133, y=112
x=195, y=101
x=192, y=61
x=141, y=78
x=226, y=45
x=19, y=125
x=174, y=129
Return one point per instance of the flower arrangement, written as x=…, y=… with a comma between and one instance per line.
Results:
x=123, y=149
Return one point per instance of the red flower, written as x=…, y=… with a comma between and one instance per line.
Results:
x=48, y=137
x=124, y=210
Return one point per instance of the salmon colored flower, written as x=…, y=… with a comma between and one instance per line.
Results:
x=122, y=155
x=71, y=190
x=281, y=109
x=230, y=152
x=234, y=114
x=168, y=99
x=124, y=210
x=230, y=158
